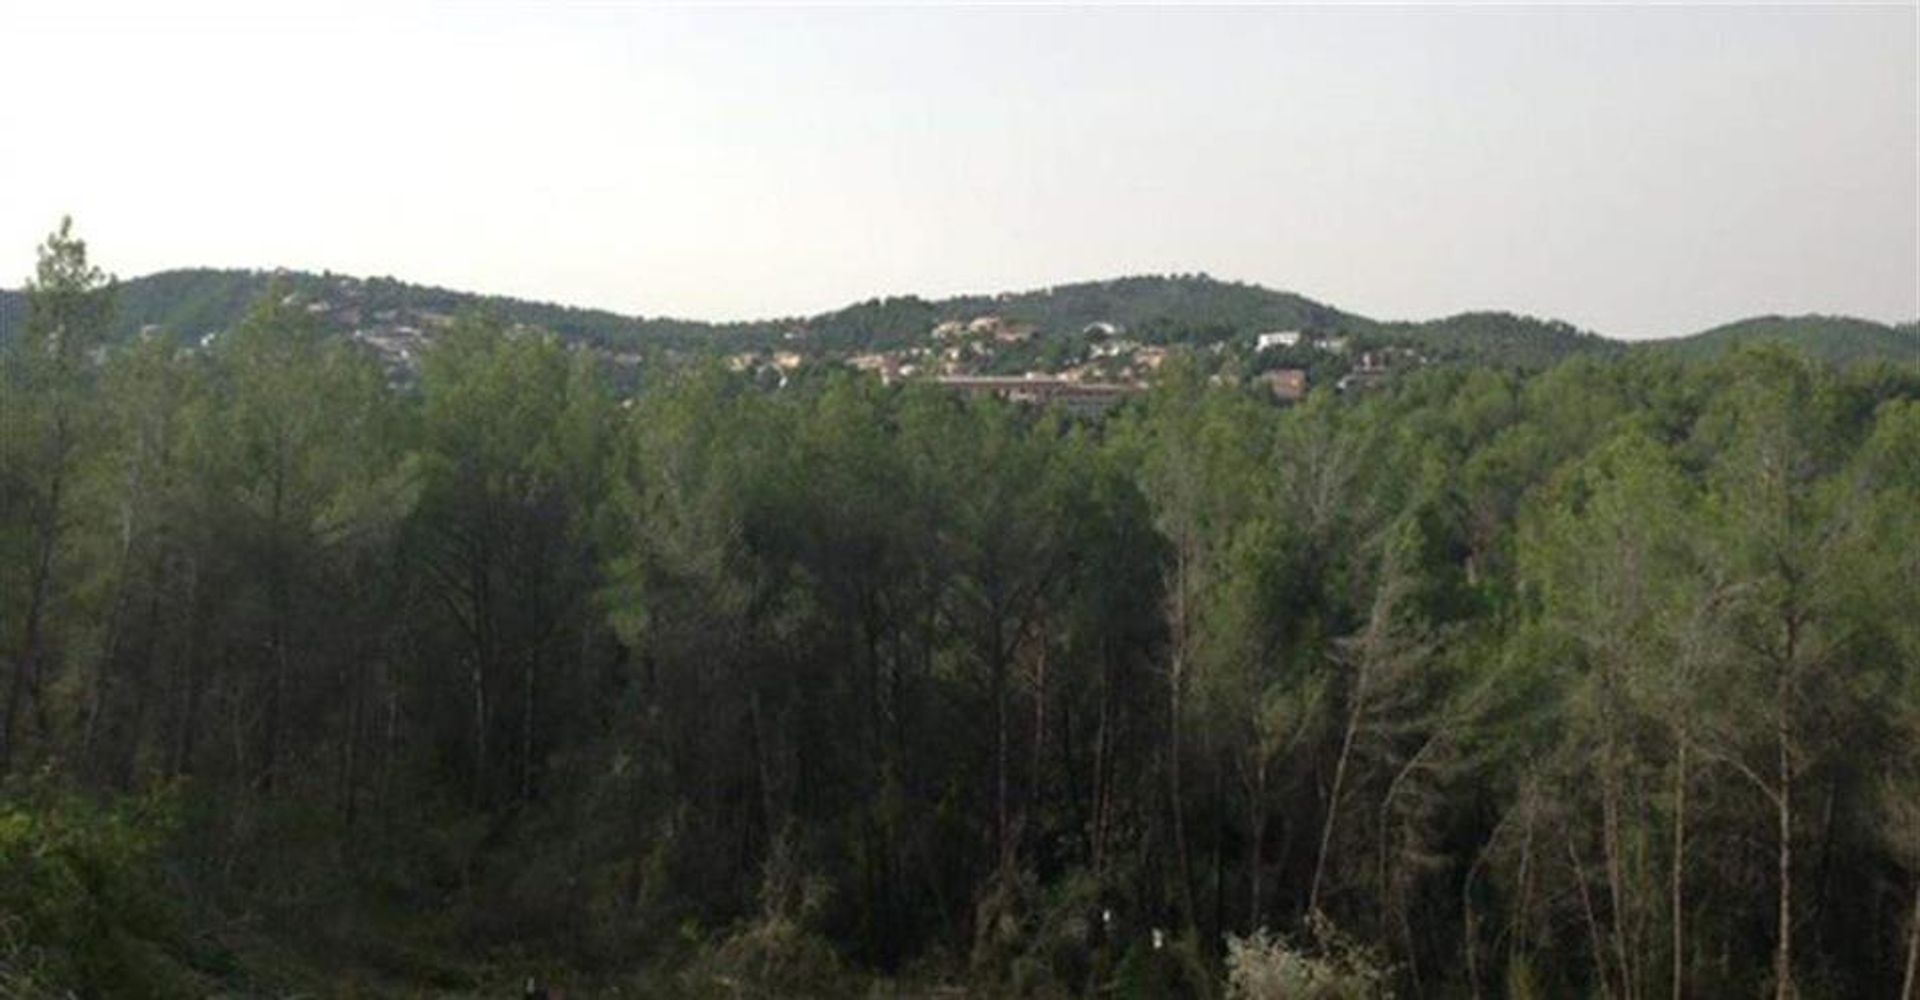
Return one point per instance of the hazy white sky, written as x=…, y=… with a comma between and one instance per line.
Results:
x=1638, y=171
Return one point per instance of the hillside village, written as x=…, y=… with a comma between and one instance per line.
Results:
x=1107, y=364
x=1086, y=370
x=1085, y=346
x=968, y=354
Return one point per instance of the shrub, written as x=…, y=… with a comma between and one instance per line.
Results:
x=779, y=953
x=1263, y=966
x=81, y=911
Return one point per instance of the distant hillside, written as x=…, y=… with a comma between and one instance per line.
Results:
x=1152, y=309
x=194, y=302
x=1499, y=338
x=1150, y=304
x=1840, y=339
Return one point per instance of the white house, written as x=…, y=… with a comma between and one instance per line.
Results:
x=1278, y=338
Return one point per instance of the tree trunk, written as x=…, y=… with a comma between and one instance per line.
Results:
x=279, y=594
x=389, y=744
x=350, y=744
x=1219, y=854
x=1036, y=760
x=1593, y=922
x=770, y=811
x=486, y=646
x=1333, y=794
x=1912, y=980
x=276, y=694
x=1383, y=875
x=527, y=728
x=1102, y=762
x=1783, y=805
x=998, y=672
x=191, y=676
x=26, y=674
x=1176, y=785
x=1616, y=880
x=1176, y=792
x=127, y=755
x=1256, y=832
x=1679, y=871
x=479, y=732
x=98, y=695
x=1783, y=813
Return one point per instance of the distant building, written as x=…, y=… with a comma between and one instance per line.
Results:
x=1287, y=384
x=993, y=327
x=884, y=365
x=1278, y=338
x=1373, y=369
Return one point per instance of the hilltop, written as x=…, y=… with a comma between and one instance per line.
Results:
x=1839, y=339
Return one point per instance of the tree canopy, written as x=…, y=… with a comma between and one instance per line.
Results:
x=1597, y=680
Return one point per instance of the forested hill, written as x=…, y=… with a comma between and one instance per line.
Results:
x=1157, y=309
x=1840, y=339
x=194, y=302
x=1521, y=341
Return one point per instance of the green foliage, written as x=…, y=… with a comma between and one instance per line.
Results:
x=1598, y=679
x=48, y=426
x=82, y=910
x=1174, y=970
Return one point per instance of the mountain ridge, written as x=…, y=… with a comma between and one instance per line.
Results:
x=1842, y=339
x=1174, y=308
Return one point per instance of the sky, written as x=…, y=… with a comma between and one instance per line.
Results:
x=1643, y=171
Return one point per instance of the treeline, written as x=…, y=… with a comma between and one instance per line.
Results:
x=1598, y=682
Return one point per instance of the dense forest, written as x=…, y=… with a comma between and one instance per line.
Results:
x=1597, y=681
